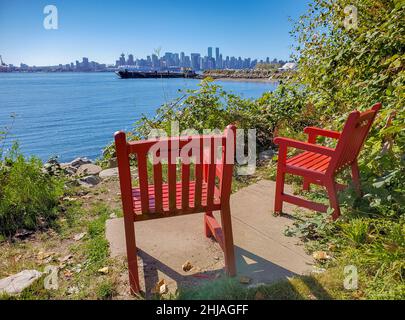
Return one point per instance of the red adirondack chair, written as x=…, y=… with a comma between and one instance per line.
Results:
x=160, y=200
x=319, y=164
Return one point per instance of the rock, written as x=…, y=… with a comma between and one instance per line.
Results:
x=23, y=234
x=76, y=163
x=187, y=266
x=68, y=169
x=79, y=236
x=108, y=173
x=18, y=282
x=73, y=290
x=266, y=155
x=65, y=258
x=112, y=163
x=89, y=181
x=88, y=169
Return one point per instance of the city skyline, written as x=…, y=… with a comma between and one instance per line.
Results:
x=157, y=61
x=103, y=31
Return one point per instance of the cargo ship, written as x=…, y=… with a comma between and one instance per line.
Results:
x=131, y=74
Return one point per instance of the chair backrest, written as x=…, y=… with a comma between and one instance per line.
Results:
x=200, y=162
x=352, y=138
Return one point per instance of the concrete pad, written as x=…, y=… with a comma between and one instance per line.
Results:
x=262, y=251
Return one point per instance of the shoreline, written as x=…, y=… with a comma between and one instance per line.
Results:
x=260, y=80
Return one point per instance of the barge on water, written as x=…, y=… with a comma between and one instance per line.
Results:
x=130, y=74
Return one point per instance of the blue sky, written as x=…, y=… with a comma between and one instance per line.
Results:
x=101, y=30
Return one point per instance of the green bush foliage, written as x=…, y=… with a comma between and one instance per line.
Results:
x=29, y=197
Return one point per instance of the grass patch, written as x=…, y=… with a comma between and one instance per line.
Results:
x=296, y=288
x=106, y=290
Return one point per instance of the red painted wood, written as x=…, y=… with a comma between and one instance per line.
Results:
x=160, y=200
x=124, y=171
x=319, y=165
x=157, y=180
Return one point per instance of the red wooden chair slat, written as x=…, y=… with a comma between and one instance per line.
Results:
x=185, y=186
x=157, y=181
x=198, y=172
x=211, y=173
x=319, y=165
x=187, y=196
x=143, y=181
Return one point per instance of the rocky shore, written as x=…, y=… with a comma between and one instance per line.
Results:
x=82, y=171
x=247, y=75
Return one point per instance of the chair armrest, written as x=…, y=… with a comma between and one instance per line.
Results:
x=314, y=131
x=304, y=146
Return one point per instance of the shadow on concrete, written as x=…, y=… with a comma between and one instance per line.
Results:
x=258, y=269
x=151, y=266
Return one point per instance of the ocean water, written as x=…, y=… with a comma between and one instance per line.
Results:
x=76, y=114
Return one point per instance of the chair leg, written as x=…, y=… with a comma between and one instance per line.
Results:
x=306, y=185
x=207, y=230
x=278, y=202
x=132, y=257
x=356, y=178
x=228, y=247
x=333, y=199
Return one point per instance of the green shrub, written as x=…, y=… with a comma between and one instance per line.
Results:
x=356, y=231
x=29, y=197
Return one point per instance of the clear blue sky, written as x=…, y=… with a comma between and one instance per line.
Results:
x=101, y=30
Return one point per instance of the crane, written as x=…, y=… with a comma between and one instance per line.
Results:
x=1, y=62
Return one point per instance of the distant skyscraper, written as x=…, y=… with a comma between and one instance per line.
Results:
x=130, y=61
x=85, y=63
x=182, y=59
x=155, y=62
x=195, y=61
x=122, y=59
x=209, y=52
x=217, y=64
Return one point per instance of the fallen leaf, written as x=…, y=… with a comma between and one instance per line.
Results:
x=259, y=296
x=163, y=288
x=44, y=255
x=187, y=266
x=244, y=280
x=104, y=270
x=68, y=273
x=320, y=255
x=79, y=236
x=160, y=287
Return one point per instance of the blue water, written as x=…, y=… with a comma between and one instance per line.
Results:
x=76, y=114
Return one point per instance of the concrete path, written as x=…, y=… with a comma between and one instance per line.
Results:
x=263, y=253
